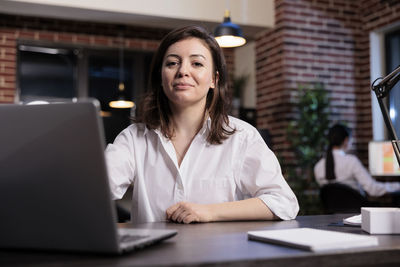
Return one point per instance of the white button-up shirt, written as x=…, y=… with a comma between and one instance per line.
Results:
x=350, y=171
x=241, y=167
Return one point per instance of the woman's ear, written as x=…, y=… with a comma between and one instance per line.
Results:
x=215, y=80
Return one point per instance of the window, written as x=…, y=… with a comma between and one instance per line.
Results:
x=56, y=74
x=46, y=73
x=392, y=43
x=103, y=79
x=103, y=75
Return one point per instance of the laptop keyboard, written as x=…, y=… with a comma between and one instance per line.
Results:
x=131, y=238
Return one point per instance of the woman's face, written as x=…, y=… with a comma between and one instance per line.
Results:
x=187, y=73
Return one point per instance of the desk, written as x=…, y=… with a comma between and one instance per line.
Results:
x=225, y=244
x=387, y=178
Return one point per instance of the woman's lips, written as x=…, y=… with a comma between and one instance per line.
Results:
x=182, y=85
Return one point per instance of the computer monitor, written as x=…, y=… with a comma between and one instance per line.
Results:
x=382, y=160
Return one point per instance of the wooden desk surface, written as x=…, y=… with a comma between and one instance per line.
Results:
x=225, y=244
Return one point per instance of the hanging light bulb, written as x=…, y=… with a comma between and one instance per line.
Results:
x=121, y=101
x=229, y=34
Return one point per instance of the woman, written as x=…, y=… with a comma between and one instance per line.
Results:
x=186, y=159
x=347, y=169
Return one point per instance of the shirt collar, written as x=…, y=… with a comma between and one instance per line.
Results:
x=206, y=126
x=339, y=152
x=157, y=131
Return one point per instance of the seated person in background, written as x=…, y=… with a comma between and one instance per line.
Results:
x=340, y=167
x=188, y=161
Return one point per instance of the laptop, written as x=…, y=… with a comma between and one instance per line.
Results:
x=54, y=190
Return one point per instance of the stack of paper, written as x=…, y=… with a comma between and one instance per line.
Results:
x=313, y=239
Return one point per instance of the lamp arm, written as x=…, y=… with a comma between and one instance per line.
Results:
x=381, y=90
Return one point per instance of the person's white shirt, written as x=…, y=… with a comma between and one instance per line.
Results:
x=241, y=167
x=350, y=171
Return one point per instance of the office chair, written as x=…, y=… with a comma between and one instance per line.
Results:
x=123, y=215
x=341, y=198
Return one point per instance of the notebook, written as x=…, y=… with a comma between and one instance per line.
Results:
x=313, y=239
x=54, y=190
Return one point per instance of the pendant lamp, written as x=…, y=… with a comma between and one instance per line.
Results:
x=229, y=34
x=121, y=101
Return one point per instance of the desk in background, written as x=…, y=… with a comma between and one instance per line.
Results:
x=226, y=244
x=387, y=178
x=387, y=200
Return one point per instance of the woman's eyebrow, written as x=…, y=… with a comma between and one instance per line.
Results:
x=172, y=55
x=198, y=55
x=193, y=55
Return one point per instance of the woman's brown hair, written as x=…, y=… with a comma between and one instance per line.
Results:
x=154, y=110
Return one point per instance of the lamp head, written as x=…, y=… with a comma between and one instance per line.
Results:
x=121, y=101
x=229, y=34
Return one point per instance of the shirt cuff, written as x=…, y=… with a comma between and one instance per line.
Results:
x=285, y=209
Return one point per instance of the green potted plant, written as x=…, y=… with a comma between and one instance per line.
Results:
x=239, y=83
x=307, y=137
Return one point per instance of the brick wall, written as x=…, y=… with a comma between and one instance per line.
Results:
x=14, y=29
x=324, y=41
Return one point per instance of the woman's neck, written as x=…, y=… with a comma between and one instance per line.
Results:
x=188, y=121
x=186, y=124
x=339, y=148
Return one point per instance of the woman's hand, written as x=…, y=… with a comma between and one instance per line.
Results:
x=186, y=212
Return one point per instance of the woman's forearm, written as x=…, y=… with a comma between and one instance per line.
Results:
x=248, y=209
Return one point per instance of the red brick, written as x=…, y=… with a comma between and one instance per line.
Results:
x=46, y=36
x=82, y=39
x=27, y=35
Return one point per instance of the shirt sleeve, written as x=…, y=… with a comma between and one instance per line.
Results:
x=369, y=184
x=319, y=172
x=261, y=177
x=120, y=164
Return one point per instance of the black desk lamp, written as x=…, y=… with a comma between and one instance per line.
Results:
x=381, y=90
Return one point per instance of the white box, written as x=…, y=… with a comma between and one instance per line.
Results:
x=380, y=220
